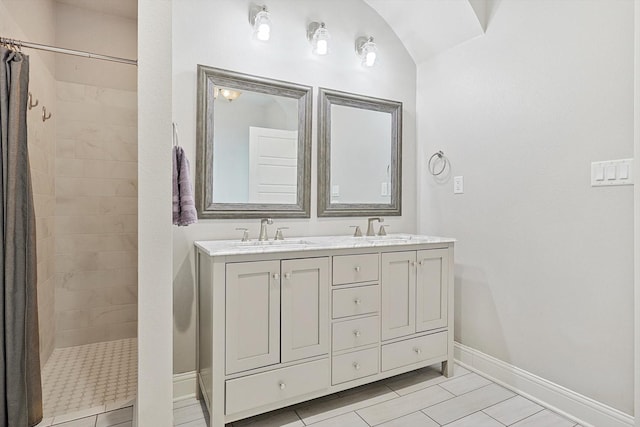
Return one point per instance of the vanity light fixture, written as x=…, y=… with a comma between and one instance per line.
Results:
x=319, y=37
x=262, y=25
x=367, y=50
x=228, y=94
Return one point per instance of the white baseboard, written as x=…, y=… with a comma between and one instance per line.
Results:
x=582, y=409
x=185, y=386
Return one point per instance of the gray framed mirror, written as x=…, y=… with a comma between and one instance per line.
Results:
x=253, y=146
x=359, y=155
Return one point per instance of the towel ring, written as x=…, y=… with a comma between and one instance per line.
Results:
x=432, y=167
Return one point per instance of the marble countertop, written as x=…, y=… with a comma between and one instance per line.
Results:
x=236, y=247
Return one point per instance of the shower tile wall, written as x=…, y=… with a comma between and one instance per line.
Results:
x=41, y=141
x=95, y=214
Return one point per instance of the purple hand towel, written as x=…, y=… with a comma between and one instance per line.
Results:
x=184, y=208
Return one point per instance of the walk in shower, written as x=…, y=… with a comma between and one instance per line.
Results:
x=83, y=155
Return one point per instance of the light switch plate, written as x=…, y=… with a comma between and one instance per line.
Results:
x=612, y=172
x=458, y=185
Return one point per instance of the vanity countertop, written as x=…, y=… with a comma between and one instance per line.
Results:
x=236, y=247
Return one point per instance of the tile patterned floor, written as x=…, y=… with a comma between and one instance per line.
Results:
x=418, y=399
x=88, y=380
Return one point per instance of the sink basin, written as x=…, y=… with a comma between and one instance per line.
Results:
x=390, y=238
x=274, y=243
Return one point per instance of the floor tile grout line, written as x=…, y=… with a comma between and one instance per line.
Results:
x=489, y=415
x=473, y=413
x=359, y=416
x=530, y=415
x=479, y=410
x=445, y=381
x=355, y=410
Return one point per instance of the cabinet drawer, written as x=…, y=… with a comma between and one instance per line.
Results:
x=354, y=301
x=415, y=350
x=262, y=389
x=352, y=366
x=355, y=333
x=355, y=268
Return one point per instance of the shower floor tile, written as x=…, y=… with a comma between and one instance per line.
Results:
x=90, y=378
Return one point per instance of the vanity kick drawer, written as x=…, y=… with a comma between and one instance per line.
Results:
x=355, y=333
x=355, y=268
x=355, y=301
x=415, y=350
x=352, y=366
x=268, y=387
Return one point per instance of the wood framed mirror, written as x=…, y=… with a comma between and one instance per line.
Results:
x=253, y=146
x=359, y=155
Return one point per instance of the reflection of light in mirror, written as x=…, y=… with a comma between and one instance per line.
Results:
x=228, y=94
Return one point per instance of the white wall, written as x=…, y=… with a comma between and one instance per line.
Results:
x=219, y=34
x=637, y=213
x=544, y=262
x=155, y=388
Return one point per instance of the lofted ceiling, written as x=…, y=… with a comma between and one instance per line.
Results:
x=428, y=27
x=425, y=27
x=122, y=8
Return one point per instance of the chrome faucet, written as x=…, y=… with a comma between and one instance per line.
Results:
x=370, y=231
x=263, y=229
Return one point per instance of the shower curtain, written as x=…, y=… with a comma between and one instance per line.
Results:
x=20, y=385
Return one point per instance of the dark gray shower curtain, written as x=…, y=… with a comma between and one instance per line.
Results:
x=20, y=385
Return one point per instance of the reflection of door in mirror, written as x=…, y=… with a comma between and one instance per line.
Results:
x=273, y=165
x=360, y=155
x=232, y=147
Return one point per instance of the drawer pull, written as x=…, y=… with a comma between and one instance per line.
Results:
x=287, y=276
x=282, y=386
x=357, y=301
x=276, y=276
x=356, y=333
x=417, y=350
x=357, y=269
x=356, y=366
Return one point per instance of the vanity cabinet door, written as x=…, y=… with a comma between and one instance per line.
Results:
x=252, y=315
x=398, y=294
x=305, y=309
x=431, y=289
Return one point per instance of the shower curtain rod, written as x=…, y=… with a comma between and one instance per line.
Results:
x=20, y=44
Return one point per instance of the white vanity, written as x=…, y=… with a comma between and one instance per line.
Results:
x=281, y=322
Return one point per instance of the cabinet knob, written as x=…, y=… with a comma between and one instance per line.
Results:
x=357, y=269
x=276, y=276
x=356, y=333
x=356, y=366
x=413, y=263
x=287, y=276
x=420, y=263
x=357, y=301
x=282, y=386
x=417, y=350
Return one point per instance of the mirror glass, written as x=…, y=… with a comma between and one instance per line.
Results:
x=359, y=155
x=253, y=146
